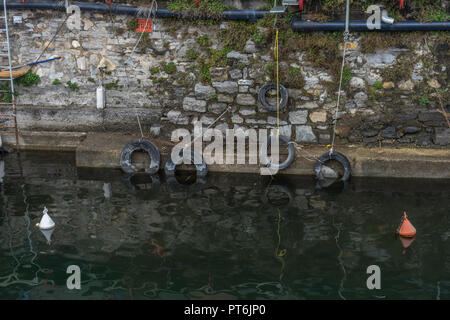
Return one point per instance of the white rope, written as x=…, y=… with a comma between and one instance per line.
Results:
x=151, y=10
x=339, y=92
x=207, y=128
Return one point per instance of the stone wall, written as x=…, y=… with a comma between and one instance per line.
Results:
x=166, y=75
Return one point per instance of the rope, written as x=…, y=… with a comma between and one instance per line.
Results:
x=208, y=127
x=346, y=34
x=278, y=83
x=299, y=148
x=152, y=10
x=280, y=254
x=53, y=39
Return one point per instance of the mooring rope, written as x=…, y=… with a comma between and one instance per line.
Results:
x=346, y=34
x=151, y=11
x=278, y=82
x=346, y=37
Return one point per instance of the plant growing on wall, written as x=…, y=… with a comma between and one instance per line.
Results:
x=6, y=96
x=29, y=79
x=73, y=86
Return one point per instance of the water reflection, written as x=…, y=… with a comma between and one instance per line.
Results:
x=232, y=237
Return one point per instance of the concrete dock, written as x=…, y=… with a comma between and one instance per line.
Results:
x=102, y=150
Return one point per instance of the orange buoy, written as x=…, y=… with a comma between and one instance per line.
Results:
x=406, y=228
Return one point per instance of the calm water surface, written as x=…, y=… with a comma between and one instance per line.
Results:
x=234, y=237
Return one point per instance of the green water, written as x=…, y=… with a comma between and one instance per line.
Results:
x=220, y=240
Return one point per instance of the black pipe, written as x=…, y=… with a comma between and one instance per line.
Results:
x=119, y=9
x=307, y=26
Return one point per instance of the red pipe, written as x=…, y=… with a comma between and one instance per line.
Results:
x=401, y=4
x=300, y=4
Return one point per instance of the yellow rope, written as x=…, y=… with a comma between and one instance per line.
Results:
x=279, y=254
x=278, y=83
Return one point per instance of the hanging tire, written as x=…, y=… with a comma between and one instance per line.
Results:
x=339, y=157
x=280, y=188
x=195, y=158
x=140, y=144
x=262, y=96
x=154, y=180
x=286, y=163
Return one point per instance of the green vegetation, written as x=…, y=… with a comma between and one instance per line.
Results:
x=218, y=58
x=214, y=58
x=90, y=79
x=433, y=13
x=211, y=8
x=346, y=77
x=73, y=86
x=259, y=38
x=56, y=82
x=170, y=67
x=371, y=41
x=204, y=41
x=112, y=85
x=192, y=54
x=378, y=85
x=237, y=33
x=288, y=76
x=205, y=74
x=159, y=80
x=29, y=79
x=117, y=102
x=6, y=96
x=154, y=70
x=132, y=25
x=424, y=101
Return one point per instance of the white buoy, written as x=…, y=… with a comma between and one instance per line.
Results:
x=46, y=222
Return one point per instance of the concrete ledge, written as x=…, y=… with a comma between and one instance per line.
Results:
x=45, y=140
x=102, y=150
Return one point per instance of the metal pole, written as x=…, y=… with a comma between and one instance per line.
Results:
x=347, y=15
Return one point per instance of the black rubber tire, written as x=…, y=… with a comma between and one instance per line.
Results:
x=262, y=96
x=140, y=144
x=333, y=156
x=202, y=169
x=286, y=163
